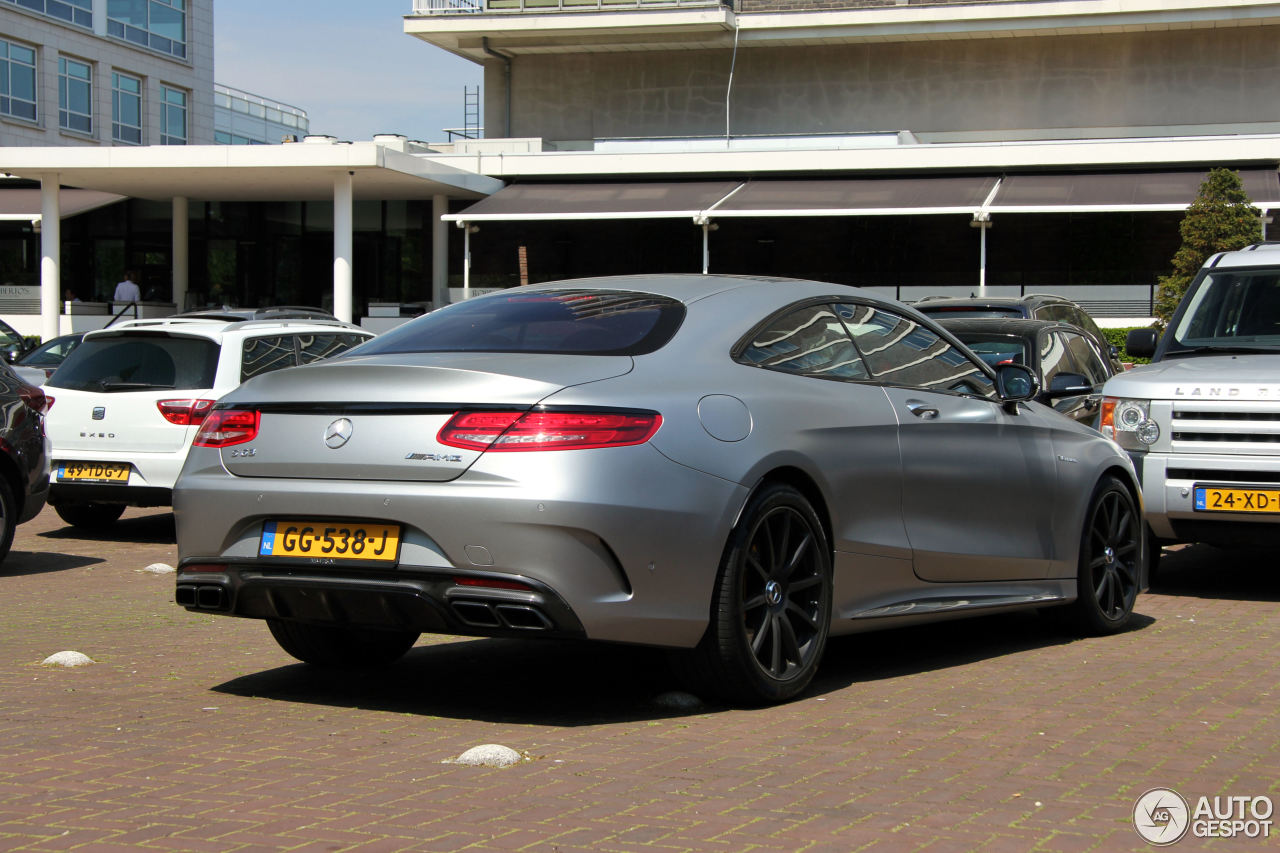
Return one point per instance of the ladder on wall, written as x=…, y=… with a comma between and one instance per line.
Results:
x=471, y=112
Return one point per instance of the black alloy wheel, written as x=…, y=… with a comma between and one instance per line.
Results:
x=772, y=608
x=8, y=517
x=1112, y=549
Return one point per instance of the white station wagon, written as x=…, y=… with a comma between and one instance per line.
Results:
x=126, y=403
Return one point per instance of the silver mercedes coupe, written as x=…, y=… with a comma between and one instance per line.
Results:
x=733, y=468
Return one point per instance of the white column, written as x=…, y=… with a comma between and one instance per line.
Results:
x=706, y=247
x=50, y=254
x=342, y=227
x=982, y=224
x=181, y=252
x=439, y=251
x=100, y=17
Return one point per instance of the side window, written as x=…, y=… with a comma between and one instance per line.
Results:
x=265, y=354
x=1085, y=354
x=810, y=341
x=900, y=351
x=1054, y=358
x=313, y=347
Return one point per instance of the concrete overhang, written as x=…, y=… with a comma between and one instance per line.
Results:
x=997, y=157
x=543, y=30
x=303, y=171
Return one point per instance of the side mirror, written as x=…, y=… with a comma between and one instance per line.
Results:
x=1016, y=383
x=1068, y=385
x=1141, y=342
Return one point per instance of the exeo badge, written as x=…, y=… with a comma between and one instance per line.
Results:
x=338, y=433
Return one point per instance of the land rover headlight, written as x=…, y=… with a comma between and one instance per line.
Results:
x=1128, y=423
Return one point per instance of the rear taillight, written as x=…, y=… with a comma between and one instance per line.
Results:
x=35, y=399
x=226, y=427
x=582, y=430
x=184, y=412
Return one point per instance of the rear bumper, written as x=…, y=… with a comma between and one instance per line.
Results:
x=421, y=602
x=620, y=545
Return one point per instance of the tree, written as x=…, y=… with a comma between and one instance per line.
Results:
x=1221, y=219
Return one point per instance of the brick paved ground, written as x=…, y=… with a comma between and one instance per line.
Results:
x=197, y=733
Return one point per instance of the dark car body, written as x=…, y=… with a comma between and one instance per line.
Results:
x=51, y=353
x=1069, y=364
x=24, y=460
x=12, y=344
x=1033, y=306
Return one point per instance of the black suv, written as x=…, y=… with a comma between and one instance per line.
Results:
x=24, y=467
x=1035, y=306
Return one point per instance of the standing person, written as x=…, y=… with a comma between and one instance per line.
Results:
x=127, y=290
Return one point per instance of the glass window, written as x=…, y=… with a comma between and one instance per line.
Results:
x=265, y=354
x=75, y=95
x=17, y=81
x=173, y=116
x=126, y=108
x=900, y=351
x=1087, y=359
x=158, y=24
x=587, y=322
x=138, y=362
x=314, y=347
x=811, y=341
x=1055, y=358
x=79, y=12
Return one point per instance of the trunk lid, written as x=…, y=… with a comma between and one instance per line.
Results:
x=378, y=417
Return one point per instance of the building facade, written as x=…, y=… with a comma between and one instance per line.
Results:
x=858, y=95
x=243, y=118
x=106, y=72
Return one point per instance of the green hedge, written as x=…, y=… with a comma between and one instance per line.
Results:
x=1117, y=336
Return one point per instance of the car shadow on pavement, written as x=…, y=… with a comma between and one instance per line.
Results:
x=1203, y=571
x=557, y=683
x=899, y=652
x=19, y=563
x=153, y=529
x=542, y=682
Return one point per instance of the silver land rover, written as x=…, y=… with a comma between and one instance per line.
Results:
x=1202, y=421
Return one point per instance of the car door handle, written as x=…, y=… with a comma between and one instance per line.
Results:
x=922, y=410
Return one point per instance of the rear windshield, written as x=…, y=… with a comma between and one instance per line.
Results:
x=995, y=350
x=585, y=322
x=138, y=362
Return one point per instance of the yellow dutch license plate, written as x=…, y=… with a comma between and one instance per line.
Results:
x=331, y=540
x=1214, y=499
x=93, y=472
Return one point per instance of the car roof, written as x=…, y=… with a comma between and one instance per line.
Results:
x=1027, y=300
x=1256, y=254
x=276, y=312
x=213, y=328
x=1019, y=326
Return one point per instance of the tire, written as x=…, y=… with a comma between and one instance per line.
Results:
x=90, y=516
x=771, y=608
x=1112, y=546
x=340, y=645
x=8, y=517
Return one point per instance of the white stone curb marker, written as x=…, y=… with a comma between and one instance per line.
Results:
x=488, y=755
x=67, y=659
